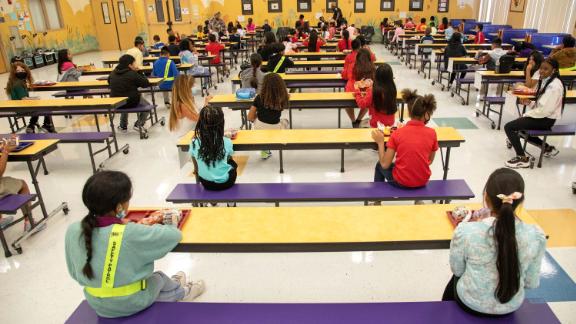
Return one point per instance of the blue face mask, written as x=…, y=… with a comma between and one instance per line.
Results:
x=121, y=214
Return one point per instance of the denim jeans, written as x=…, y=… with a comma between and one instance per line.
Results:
x=170, y=290
x=383, y=175
x=142, y=117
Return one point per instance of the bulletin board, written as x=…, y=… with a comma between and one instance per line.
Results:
x=416, y=5
x=247, y=7
x=304, y=6
x=274, y=5
x=360, y=6
x=443, y=5
x=387, y=5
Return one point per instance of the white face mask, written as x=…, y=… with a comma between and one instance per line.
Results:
x=121, y=214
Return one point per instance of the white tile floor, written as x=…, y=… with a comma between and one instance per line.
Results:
x=37, y=280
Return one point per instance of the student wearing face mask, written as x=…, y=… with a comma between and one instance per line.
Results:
x=542, y=113
x=114, y=260
x=19, y=81
x=414, y=145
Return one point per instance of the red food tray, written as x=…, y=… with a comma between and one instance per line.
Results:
x=524, y=92
x=136, y=215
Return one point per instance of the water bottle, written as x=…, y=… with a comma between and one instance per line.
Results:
x=497, y=69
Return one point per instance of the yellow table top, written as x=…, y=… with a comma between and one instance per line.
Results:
x=570, y=94
x=87, y=103
x=563, y=73
x=471, y=59
x=87, y=84
x=303, y=76
x=146, y=68
x=37, y=147
x=317, y=136
x=300, y=96
x=316, y=54
x=323, y=62
x=321, y=224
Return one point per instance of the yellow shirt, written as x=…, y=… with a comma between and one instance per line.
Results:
x=200, y=35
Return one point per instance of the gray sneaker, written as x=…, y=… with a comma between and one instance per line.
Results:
x=519, y=162
x=551, y=151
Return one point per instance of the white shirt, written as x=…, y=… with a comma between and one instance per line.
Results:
x=549, y=105
x=136, y=53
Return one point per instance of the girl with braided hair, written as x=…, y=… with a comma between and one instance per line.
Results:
x=543, y=111
x=212, y=152
x=114, y=260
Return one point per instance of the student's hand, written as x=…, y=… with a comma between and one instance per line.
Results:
x=6, y=146
x=525, y=101
x=378, y=136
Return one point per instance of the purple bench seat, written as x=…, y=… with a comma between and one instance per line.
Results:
x=75, y=138
x=320, y=313
x=314, y=192
x=556, y=130
x=10, y=204
x=82, y=93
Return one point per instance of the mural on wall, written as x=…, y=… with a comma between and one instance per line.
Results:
x=78, y=35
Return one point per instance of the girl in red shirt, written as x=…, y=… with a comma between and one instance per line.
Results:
x=413, y=145
x=363, y=69
x=345, y=44
x=214, y=48
x=380, y=99
x=332, y=30
x=314, y=42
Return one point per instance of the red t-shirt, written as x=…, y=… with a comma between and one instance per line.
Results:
x=348, y=71
x=375, y=115
x=319, y=44
x=342, y=45
x=480, y=39
x=214, y=48
x=422, y=27
x=413, y=144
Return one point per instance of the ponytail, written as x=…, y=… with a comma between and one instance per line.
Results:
x=255, y=62
x=88, y=224
x=504, y=192
x=507, y=254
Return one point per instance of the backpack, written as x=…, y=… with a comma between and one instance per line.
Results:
x=505, y=64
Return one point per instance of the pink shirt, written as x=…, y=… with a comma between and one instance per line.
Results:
x=67, y=65
x=251, y=28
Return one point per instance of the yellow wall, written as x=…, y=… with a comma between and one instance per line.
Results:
x=78, y=33
x=199, y=10
x=516, y=19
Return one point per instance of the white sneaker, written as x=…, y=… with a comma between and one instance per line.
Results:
x=194, y=289
x=180, y=277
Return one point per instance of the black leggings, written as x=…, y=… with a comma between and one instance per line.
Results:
x=215, y=186
x=451, y=294
x=526, y=123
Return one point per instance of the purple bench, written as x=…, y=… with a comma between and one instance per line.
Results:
x=556, y=130
x=75, y=138
x=487, y=109
x=10, y=205
x=316, y=192
x=334, y=313
x=82, y=93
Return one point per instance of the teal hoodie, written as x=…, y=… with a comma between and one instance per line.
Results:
x=141, y=246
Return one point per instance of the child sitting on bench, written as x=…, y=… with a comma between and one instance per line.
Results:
x=541, y=115
x=212, y=152
x=380, y=98
x=183, y=113
x=12, y=186
x=19, y=81
x=114, y=260
x=413, y=145
x=166, y=69
x=495, y=259
x=267, y=108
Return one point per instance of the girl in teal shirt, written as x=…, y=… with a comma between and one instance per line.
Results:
x=19, y=80
x=212, y=152
x=495, y=259
x=130, y=283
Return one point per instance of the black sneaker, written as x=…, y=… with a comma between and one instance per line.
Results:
x=551, y=151
x=519, y=162
x=122, y=129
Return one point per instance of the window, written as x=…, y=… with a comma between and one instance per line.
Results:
x=160, y=11
x=45, y=14
x=177, y=10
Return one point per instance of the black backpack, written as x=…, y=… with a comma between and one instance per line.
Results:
x=506, y=63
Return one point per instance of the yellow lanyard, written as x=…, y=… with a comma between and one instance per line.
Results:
x=167, y=70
